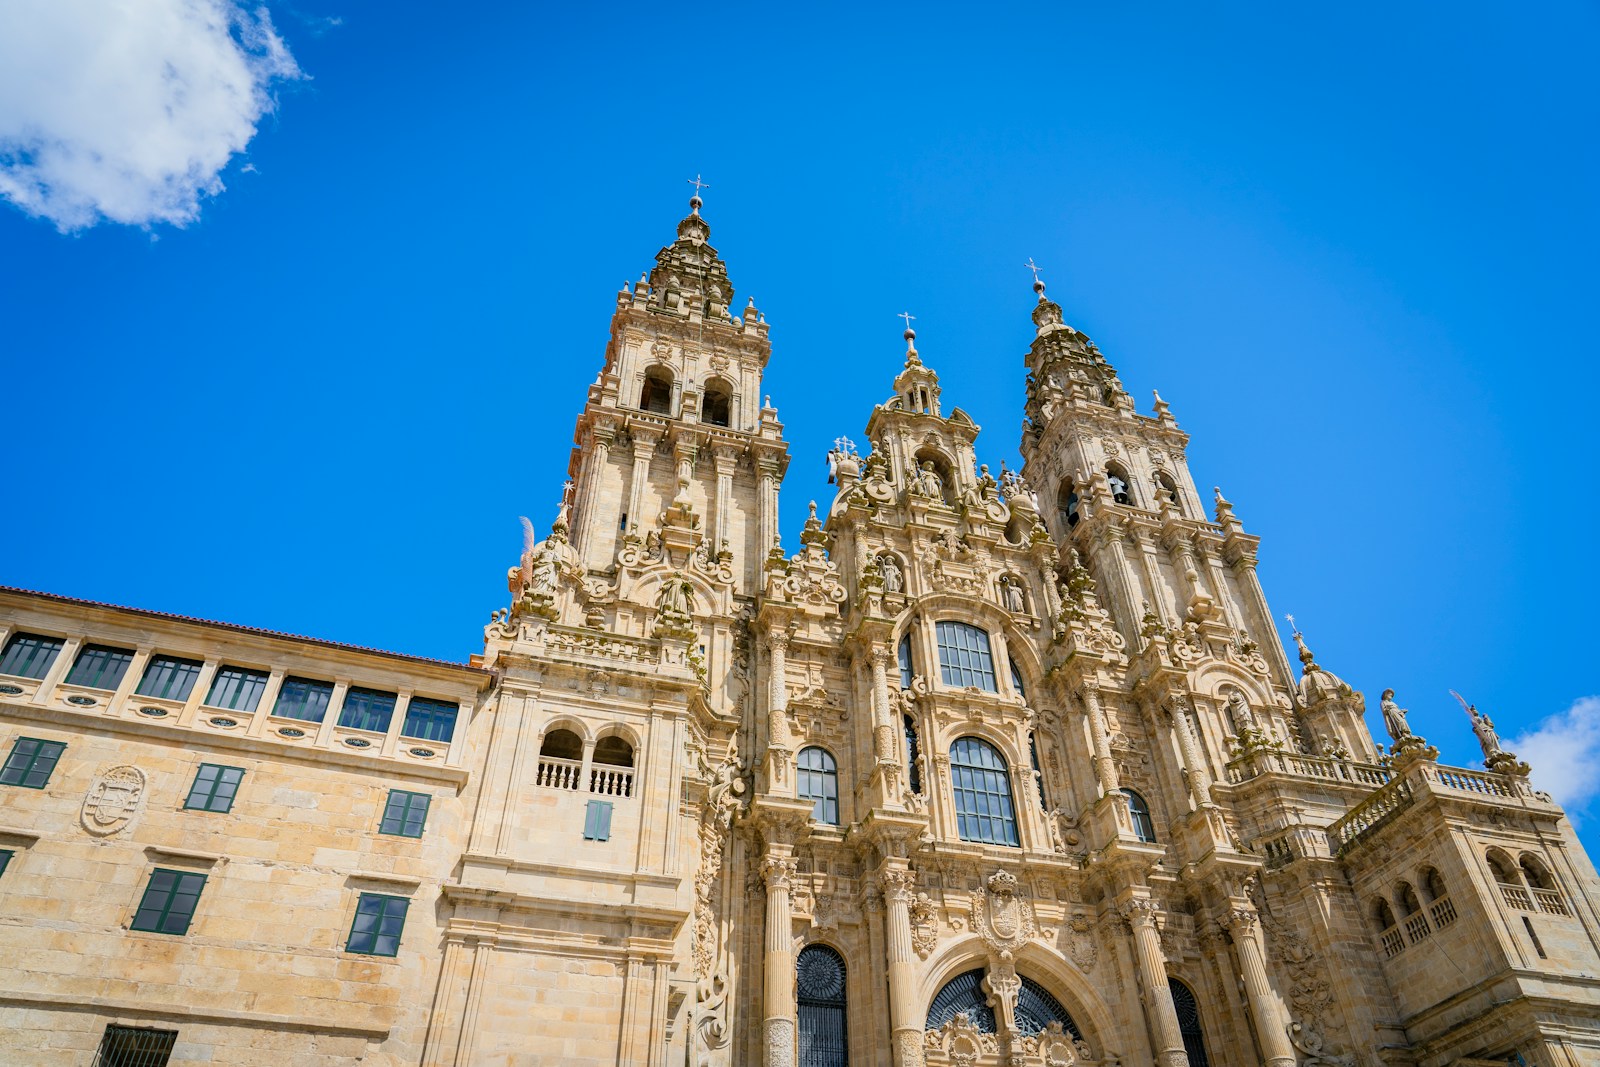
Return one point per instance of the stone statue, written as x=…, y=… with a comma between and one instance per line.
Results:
x=1483, y=726
x=1011, y=596
x=676, y=596
x=542, y=571
x=927, y=481
x=893, y=580
x=1394, y=717
x=1239, y=712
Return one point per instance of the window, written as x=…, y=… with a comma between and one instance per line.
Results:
x=963, y=994
x=303, y=699
x=29, y=655
x=1016, y=681
x=819, y=782
x=1067, y=505
x=597, y=821
x=907, y=672
x=169, y=678
x=169, y=902
x=430, y=720
x=30, y=762
x=376, y=930
x=1168, y=488
x=404, y=813
x=100, y=667
x=820, y=1000
x=1117, y=479
x=1144, y=828
x=913, y=754
x=964, y=656
x=656, y=395
x=716, y=405
x=1036, y=1008
x=367, y=709
x=214, y=787
x=611, y=771
x=982, y=793
x=1188, y=1009
x=134, y=1046
x=5, y=858
x=237, y=689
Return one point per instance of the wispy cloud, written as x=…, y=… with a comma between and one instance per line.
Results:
x=1564, y=750
x=129, y=111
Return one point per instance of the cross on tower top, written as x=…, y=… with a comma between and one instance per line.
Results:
x=907, y=316
x=1292, y=625
x=1031, y=265
x=698, y=184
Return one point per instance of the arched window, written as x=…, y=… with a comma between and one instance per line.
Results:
x=560, y=760
x=962, y=995
x=1036, y=1007
x=1409, y=904
x=562, y=744
x=964, y=656
x=656, y=395
x=1121, y=488
x=1016, y=681
x=1188, y=1009
x=982, y=788
x=819, y=989
x=716, y=403
x=1434, y=885
x=1144, y=828
x=1535, y=873
x=907, y=671
x=1167, y=487
x=613, y=751
x=1067, y=504
x=913, y=754
x=1382, y=914
x=818, y=781
x=1504, y=872
x=612, y=770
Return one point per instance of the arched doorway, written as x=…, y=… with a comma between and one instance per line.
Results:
x=1188, y=1009
x=820, y=988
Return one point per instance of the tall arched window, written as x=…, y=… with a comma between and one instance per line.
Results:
x=1016, y=681
x=818, y=781
x=907, y=669
x=1167, y=487
x=656, y=394
x=982, y=789
x=1121, y=489
x=716, y=403
x=1144, y=828
x=913, y=754
x=1067, y=504
x=819, y=988
x=964, y=656
x=1188, y=1009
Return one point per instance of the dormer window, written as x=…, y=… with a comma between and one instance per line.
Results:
x=716, y=405
x=656, y=396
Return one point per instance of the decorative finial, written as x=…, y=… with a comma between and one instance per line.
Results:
x=911, y=337
x=910, y=333
x=1038, y=284
x=813, y=517
x=695, y=201
x=1308, y=662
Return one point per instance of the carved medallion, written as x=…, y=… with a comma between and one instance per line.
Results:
x=113, y=800
x=1000, y=916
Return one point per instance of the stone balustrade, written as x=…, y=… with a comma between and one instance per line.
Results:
x=1275, y=761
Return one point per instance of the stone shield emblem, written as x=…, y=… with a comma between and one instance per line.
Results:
x=113, y=800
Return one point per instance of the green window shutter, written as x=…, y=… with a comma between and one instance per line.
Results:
x=169, y=678
x=597, y=821
x=30, y=762
x=214, y=788
x=169, y=902
x=100, y=667
x=379, y=921
x=405, y=814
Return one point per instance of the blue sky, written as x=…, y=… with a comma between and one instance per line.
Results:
x=1354, y=251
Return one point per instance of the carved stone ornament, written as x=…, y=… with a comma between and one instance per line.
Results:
x=1080, y=946
x=1000, y=916
x=113, y=800
x=924, y=926
x=960, y=1041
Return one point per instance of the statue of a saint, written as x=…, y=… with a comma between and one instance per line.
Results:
x=1483, y=726
x=893, y=580
x=1011, y=596
x=676, y=596
x=927, y=481
x=1239, y=712
x=1394, y=717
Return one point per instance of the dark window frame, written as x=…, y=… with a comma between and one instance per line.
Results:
x=400, y=808
x=167, y=912
x=100, y=666
x=169, y=678
x=437, y=719
x=379, y=908
x=42, y=750
x=826, y=775
x=222, y=788
x=34, y=646
x=249, y=685
x=135, y=1046
x=966, y=655
x=302, y=690
x=367, y=709
x=983, y=793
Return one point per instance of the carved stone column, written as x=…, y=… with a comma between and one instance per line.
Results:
x=1105, y=768
x=778, y=749
x=1159, y=1011
x=644, y=447
x=726, y=458
x=883, y=746
x=1275, y=1047
x=590, y=475
x=1194, y=763
x=778, y=1014
x=898, y=883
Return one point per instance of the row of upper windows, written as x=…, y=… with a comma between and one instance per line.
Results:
x=716, y=400
x=1122, y=492
x=31, y=761
x=234, y=688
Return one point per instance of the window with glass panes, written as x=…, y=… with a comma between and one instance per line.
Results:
x=100, y=667
x=430, y=720
x=214, y=787
x=404, y=814
x=1144, y=828
x=964, y=656
x=982, y=792
x=29, y=655
x=30, y=762
x=169, y=678
x=907, y=672
x=378, y=925
x=303, y=699
x=5, y=858
x=817, y=780
x=367, y=709
x=169, y=902
x=237, y=689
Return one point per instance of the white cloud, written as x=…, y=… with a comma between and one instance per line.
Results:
x=128, y=110
x=1564, y=750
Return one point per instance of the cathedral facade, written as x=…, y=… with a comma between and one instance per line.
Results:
x=995, y=769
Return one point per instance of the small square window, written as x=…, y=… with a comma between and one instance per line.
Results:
x=367, y=709
x=100, y=667
x=303, y=699
x=237, y=689
x=378, y=923
x=430, y=720
x=169, y=902
x=5, y=858
x=169, y=678
x=29, y=655
x=214, y=787
x=597, y=821
x=30, y=762
x=135, y=1046
x=405, y=813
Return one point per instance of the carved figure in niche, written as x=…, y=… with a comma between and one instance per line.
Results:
x=1011, y=596
x=894, y=580
x=1394, y=717
x=676, y=596
x=926, y=482
x=1239, y=713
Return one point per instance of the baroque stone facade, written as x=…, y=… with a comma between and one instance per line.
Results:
x=993, y=769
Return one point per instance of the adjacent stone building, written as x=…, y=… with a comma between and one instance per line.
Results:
x=995, y=769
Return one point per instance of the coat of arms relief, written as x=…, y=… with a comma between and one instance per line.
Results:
x=113, y=800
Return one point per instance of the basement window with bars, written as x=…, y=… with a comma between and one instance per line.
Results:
x=29, y=655
x=404, y=814
x=135, y=1046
